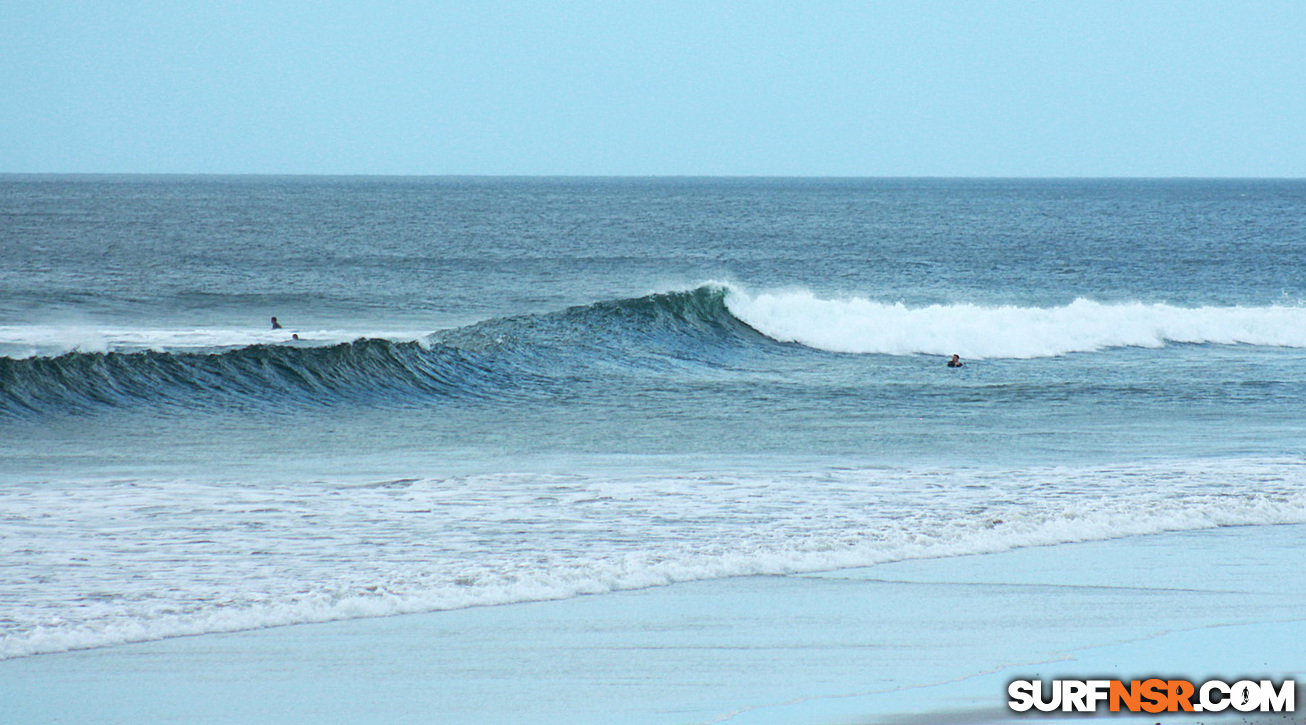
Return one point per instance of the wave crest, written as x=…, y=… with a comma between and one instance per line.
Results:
x=857, y=325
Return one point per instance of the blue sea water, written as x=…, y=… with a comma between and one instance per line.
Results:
x=514, y=389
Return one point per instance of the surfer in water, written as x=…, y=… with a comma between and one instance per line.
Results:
x=955, y=362
x=275, y=325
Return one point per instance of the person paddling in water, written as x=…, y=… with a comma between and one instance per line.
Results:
x=275, y=325
x=955, y=362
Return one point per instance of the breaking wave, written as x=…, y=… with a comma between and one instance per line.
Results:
x=526, y=355
x=857, y=325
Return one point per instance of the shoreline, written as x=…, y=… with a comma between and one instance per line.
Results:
x=910, y=641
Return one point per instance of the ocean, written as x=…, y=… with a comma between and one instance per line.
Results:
x=495, y=390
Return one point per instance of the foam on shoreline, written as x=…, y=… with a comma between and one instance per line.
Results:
x=869, y=645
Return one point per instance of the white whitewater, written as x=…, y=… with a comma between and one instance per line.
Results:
x=860, y=325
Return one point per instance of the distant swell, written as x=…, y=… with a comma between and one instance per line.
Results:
x=856, y=325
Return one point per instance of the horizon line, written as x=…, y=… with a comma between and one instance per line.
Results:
x=814, y=177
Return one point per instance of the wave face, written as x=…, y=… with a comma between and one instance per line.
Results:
x=692, y=325
x=863, y=326
x=511, y=356
x=259, y=373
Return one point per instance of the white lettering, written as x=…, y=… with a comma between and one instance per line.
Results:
x=1209, y=703
x=1246, y=695
x=1022, y=695
x=1282, y=701
x=1074, y=696
x=1052, y=703
x=1098, y=691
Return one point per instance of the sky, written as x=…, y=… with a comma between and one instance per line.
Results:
x=1005, y=88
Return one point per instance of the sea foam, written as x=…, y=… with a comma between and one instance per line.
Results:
x=23, y=341
x=859, y=325
x=141, y=561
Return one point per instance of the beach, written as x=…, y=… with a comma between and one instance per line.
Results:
x=931, y=640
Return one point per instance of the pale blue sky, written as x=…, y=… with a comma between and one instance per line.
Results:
x=1002, y=88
